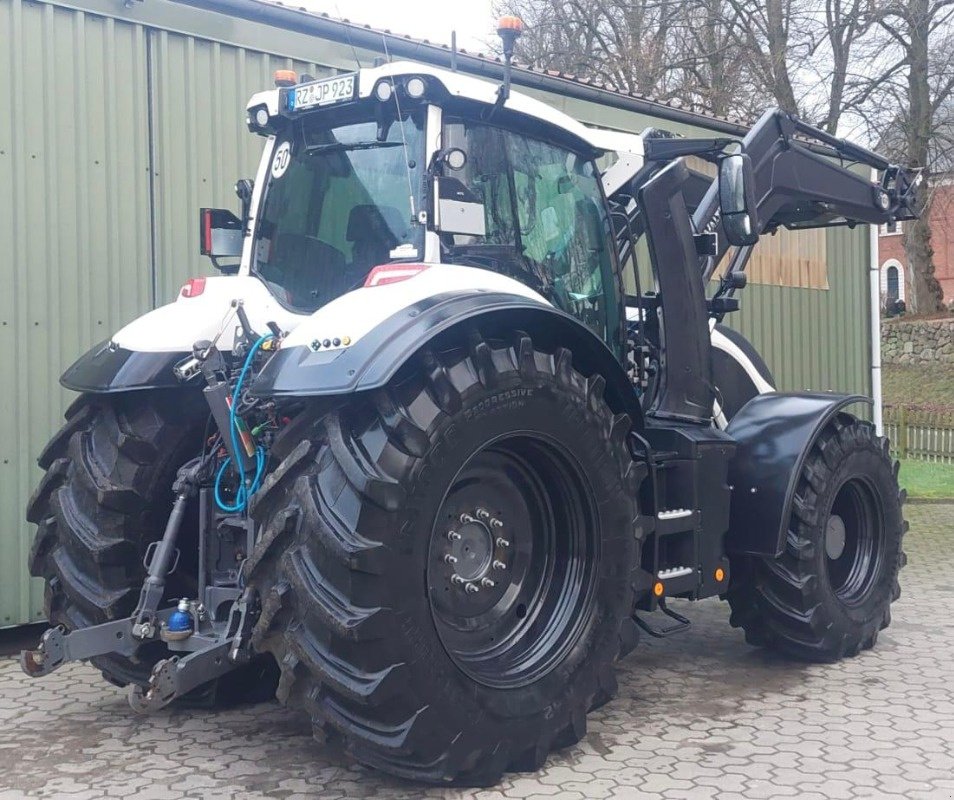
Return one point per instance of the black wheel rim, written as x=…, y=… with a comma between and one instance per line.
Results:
x=512, y=559
x=853, y=540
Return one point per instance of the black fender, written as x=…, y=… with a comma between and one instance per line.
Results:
x=373, y=360
x=108, y=368
x=774, y=433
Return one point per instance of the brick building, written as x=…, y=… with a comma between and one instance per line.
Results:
x=895, y=280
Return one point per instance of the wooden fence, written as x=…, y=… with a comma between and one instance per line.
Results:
x=924, y=435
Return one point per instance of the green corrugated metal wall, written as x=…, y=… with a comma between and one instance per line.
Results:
x=119, y=123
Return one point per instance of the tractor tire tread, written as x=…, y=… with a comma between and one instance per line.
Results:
x=322, y=560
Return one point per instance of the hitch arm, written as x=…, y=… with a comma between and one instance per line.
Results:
x=173, y=677
x=57, y=646
x=123, y=636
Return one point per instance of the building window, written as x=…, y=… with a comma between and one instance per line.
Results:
x=892, y=283
x=892, y=229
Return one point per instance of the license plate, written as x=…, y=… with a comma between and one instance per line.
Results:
x=323, y=93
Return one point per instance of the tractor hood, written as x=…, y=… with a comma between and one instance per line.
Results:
x=199, y=312
x=143, y=353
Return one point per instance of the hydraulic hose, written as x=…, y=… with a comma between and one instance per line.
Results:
x=245, y=488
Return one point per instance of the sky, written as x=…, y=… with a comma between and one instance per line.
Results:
x=424, y=19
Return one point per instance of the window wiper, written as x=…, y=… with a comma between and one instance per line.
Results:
x=345, y=147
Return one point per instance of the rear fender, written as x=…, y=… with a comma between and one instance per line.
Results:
x=774, y=433
x=310, y=369
x=141, y=355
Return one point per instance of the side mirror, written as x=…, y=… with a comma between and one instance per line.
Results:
x=459, y=210
x=737, y=200
x=221, y=233
x=243, y=189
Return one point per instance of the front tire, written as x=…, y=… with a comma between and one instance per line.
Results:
x=830, y=592
x=445, y=568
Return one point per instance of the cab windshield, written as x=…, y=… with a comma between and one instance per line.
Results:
x=341, y=199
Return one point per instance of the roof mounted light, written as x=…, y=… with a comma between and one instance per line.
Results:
x=285, y=77
x=384, y=91
x=415, y=88
x=509, y=30
x=509, y=23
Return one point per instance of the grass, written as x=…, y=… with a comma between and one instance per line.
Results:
x=916, y=386
x=927, y=480
x=922, y=388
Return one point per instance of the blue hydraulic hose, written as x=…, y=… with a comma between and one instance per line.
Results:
x=244, y=491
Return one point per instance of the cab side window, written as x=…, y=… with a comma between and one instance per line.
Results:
x=545, y=221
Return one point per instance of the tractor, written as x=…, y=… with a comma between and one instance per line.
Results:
x=457, y=421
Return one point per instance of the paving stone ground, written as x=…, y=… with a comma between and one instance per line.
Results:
x=699, y=716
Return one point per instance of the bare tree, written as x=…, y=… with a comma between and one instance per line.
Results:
x=846, y=23
x=680, y=51
x=888, y=63
x=773, y=32
x=718, y=75
x=909, y=109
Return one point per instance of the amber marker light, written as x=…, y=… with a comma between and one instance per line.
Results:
x=719, y=574
x=285, y=77
x=658, y=589
x=509, y=23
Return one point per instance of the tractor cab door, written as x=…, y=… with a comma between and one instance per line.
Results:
x=545, y=221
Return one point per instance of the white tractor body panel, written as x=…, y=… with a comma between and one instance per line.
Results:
x=722, y=342
x=177, y=326
x=355, y=314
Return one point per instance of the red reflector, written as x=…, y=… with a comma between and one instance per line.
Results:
x=206, y=231
x=393, y=273
x=193, y=287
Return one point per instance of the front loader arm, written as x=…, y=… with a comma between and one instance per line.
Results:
x=804, y=179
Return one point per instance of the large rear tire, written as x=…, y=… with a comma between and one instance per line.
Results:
x=445, y=568
x=105, y=497
x=830, y=592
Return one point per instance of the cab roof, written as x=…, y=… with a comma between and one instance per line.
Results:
x=480, y=91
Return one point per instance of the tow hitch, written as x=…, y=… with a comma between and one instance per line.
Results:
x=210, y=648
x=208, y=636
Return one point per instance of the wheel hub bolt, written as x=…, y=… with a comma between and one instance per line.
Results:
x=496, y=523
x=466, y=518
x=455, y=578
x=449, y=559
x=472, y=589
x=453, y=536
x=482, y=513
x=499, y=565
x=487, y=583
x=501, y=542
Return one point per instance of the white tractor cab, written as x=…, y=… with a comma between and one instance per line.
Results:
x=372, y=178
x=430, y=460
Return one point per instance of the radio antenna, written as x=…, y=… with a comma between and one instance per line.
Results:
x=400, y=120
x=347, y=25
